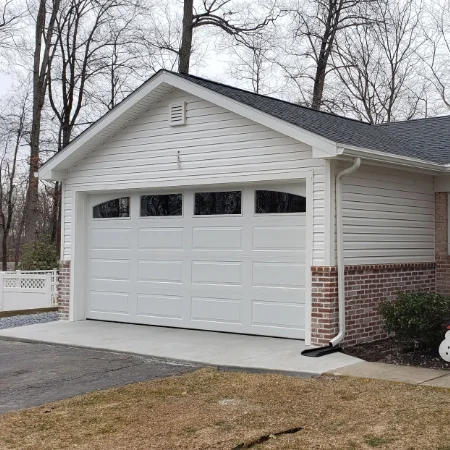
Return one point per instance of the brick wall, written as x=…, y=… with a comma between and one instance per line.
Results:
x=442, y=257
x=64, y=290
x=324, y=312
x=365, y=287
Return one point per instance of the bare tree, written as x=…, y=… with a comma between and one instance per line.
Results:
x=44, y=28
x=378, y=66
x=125, y=64
x=252, y=64
x=436, y=29
x=82, y=35
x=316, y=27
x=237, y=20
x=9, y=19
x=13, y=134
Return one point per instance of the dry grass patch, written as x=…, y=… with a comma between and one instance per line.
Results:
x=208, y=409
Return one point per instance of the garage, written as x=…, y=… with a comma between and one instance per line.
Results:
x=222, y=258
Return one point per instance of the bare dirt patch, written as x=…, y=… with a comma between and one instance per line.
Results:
x=189, y=412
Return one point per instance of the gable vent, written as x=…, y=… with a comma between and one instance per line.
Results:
x=177, y=114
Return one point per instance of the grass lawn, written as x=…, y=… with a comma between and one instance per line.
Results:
x=208, y=409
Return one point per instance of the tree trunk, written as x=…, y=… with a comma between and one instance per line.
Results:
x=326, y=46
x=186, y=40
x=31, y=202
x=319, y=83
x=18, y=242
x=57, y=196
x=5, y=252
x=41, y=61
x=56, y=217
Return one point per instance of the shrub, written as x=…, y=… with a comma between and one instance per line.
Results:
x=418, y=317
x=39, y=255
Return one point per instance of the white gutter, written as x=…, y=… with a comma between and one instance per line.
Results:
x=340, y=255
x=374, y=155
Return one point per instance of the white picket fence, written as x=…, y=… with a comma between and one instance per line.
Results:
x=28, y=289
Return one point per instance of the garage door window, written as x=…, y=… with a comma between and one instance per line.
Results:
x=274, y=202
x=119, y=207
x=161, y=205
x=213, y=203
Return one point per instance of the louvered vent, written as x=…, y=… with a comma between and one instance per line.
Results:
x=177, y=114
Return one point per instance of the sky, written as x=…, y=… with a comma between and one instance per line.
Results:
x=5, y=83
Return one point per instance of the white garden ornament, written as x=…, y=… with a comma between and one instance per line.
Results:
x=444, y=348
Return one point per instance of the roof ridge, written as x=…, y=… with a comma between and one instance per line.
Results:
x=188, y=75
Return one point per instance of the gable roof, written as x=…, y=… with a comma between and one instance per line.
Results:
x=425, y=140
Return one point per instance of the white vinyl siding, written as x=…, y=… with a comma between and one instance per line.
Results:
x=388, y=216
x=215, y=146
x=319, y=217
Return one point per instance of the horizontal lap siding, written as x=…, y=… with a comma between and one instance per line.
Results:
x=388, y=217
x=319, y=216
x=214, y=144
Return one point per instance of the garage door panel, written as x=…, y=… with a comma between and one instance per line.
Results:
x=161, y=306
x=161, y=238
x=160, y=271
x=293, y=295
x=109, y=285
x=217, y=272
x=274, y=314
x=216, y=309
x=279, y=238
x=109, y=302
x=281, y=275
x=118, y=269
x=217, y=238
x=160, y=288
x=116, y=238
x=271, y=257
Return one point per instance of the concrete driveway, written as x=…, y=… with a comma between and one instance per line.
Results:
x=224, y=350
x=32, y=374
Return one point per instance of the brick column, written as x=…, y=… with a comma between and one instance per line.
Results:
x=324, y=308
x=64, y=290
x=441, y=243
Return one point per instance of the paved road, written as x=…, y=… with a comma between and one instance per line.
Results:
x=32, y=374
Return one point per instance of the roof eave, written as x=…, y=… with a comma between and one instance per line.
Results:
x=374, y=155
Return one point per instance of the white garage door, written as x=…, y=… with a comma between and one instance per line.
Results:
x=225, y=260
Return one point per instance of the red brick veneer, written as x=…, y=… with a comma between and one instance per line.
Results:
x=441, y=242
x=365, y=287
x=64, y=290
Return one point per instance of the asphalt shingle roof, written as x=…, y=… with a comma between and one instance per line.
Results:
x=431, y=136
x=424, y=139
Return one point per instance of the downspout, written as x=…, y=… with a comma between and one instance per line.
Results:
x=339, y=251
